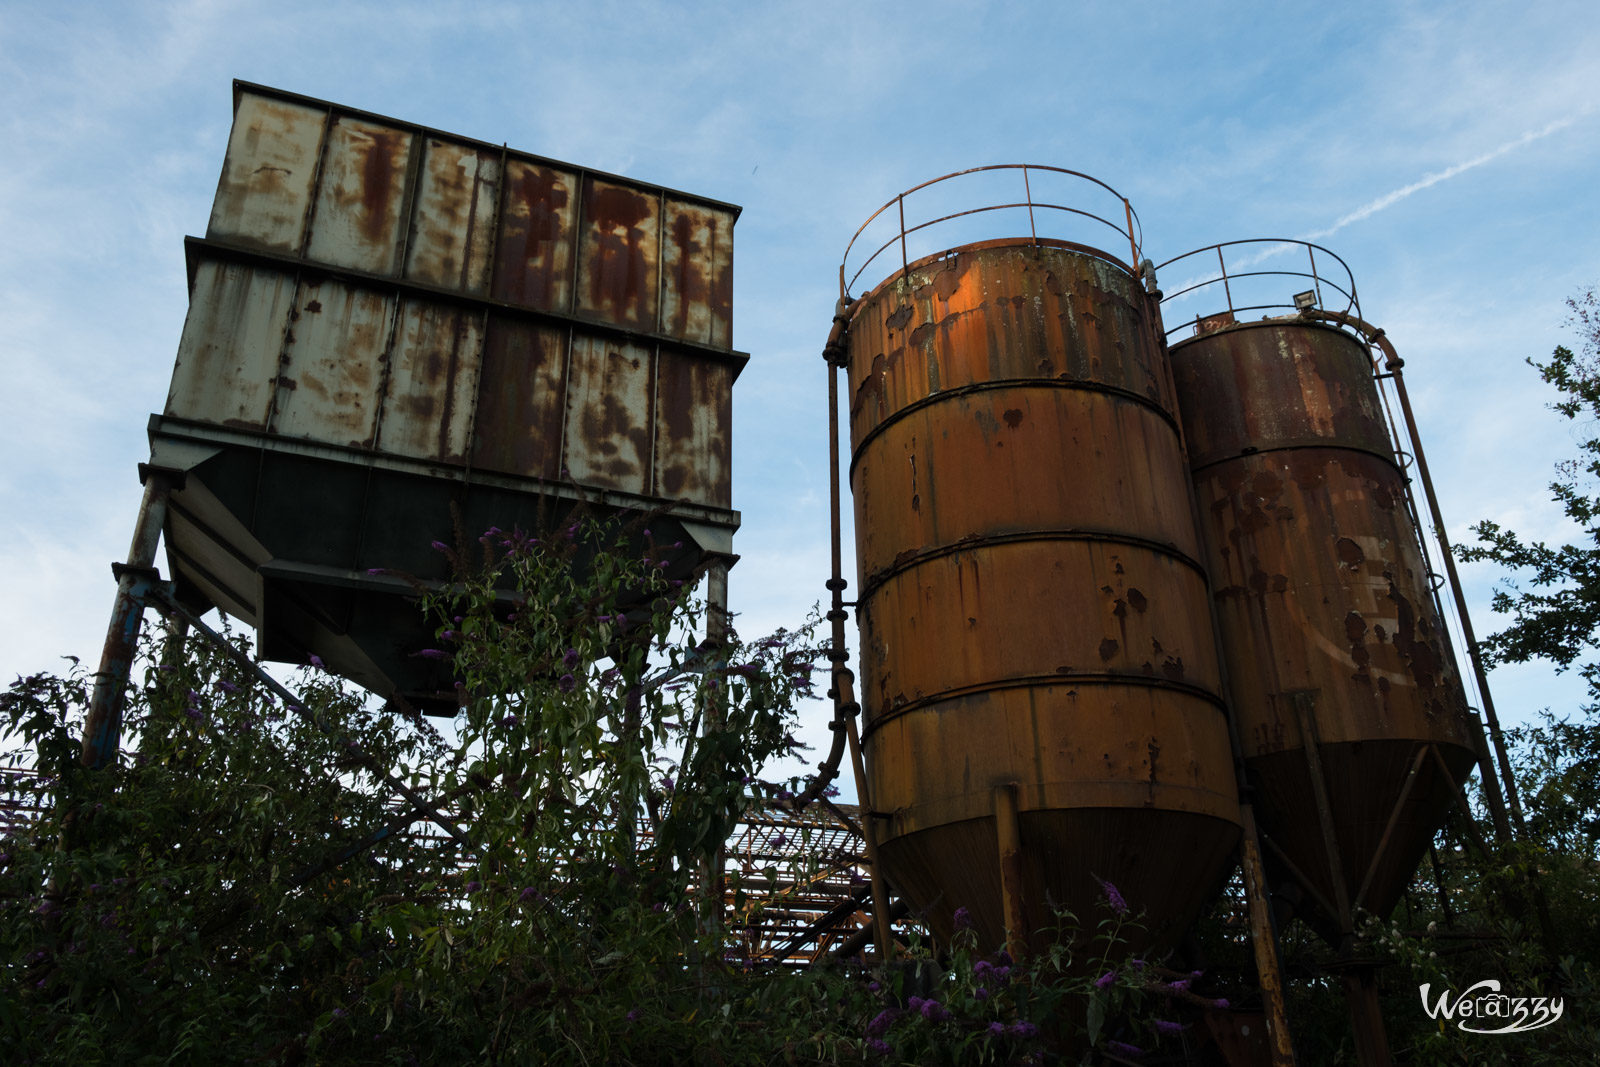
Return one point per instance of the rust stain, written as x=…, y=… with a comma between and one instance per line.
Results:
x=618, y=269
x=532, y=257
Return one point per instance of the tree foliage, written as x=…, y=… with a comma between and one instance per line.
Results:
x=238, y=887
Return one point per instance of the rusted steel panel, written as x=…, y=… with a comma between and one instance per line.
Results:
x=983, y=449
x=360, y=214
x=1033, y=613
x=1280, y=388
x=694, y=429
x=265, y=190
x=995, y=314
x=618, y=258
x=609, y=405
x=968, y=620
x=533, y=257
x=521, y=397
x=333, y=364
x=697, y=274
x=1321, y=589
x=227, y=362
x=433, y=382
x=452, y=238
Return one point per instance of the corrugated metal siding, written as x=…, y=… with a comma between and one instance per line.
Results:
x=452, y=238
x=267, y=176
x=227, y=364
x=697, y=264
x=360, y=213
x=533, y=260
x=619, y=256
x=332, y=364
x=522, y=399
x=608, y=415
x=353, y=211
x=693, y=430
x=433, y=382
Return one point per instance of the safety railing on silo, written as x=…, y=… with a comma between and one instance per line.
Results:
x=1039, y=217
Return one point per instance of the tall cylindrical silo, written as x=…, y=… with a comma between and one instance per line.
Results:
x=1349, y=707
x=1039, y=663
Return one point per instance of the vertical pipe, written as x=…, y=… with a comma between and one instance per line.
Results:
x=1008, y=837
x=102, y=731
x=1480, y=674
x=1393, y=364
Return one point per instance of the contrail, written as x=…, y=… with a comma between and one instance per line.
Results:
x=1389, y=199
x=1372, y=207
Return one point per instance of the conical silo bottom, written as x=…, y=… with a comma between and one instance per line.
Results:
x=1365, y=783
x=1165, y=864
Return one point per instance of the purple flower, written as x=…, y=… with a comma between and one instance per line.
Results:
x=1113, y=897
x=432, y=653
x=449, y=635
x=226, y=686
x=997, y=1028
x=1024, y=1029
x=632, y=1016
x=1105, y=980
x=377, y=570
x=1122, y=1048
x=316, y=661
x=666, y=784
x=963, y=919
x=473, y=887
x=883, y=1020
x=1180, y=986
x=568, y=683
x=1164, y=1027
x=338, y=1013
x=528, y=894
x=1220, y=1002
x=915, y=1003
x=981, y=993
x=873, y=987
x=440, y=546
x=933, y=1011
x=508, y=722
x=876, y=1047
x=570, y=660
x=779, y=840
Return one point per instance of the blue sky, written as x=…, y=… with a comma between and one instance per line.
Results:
x=1448, y=152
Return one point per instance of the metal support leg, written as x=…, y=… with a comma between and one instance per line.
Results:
x=1008, y=836
x=717, y=631
x=102, y=732
x=1264, y=940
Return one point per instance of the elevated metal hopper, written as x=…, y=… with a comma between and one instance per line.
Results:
x=398, y=336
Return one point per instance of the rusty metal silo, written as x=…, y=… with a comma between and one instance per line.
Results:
x=1349, y=707
x=1041, y=690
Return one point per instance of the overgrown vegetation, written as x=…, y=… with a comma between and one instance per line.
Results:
x=227, y=892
